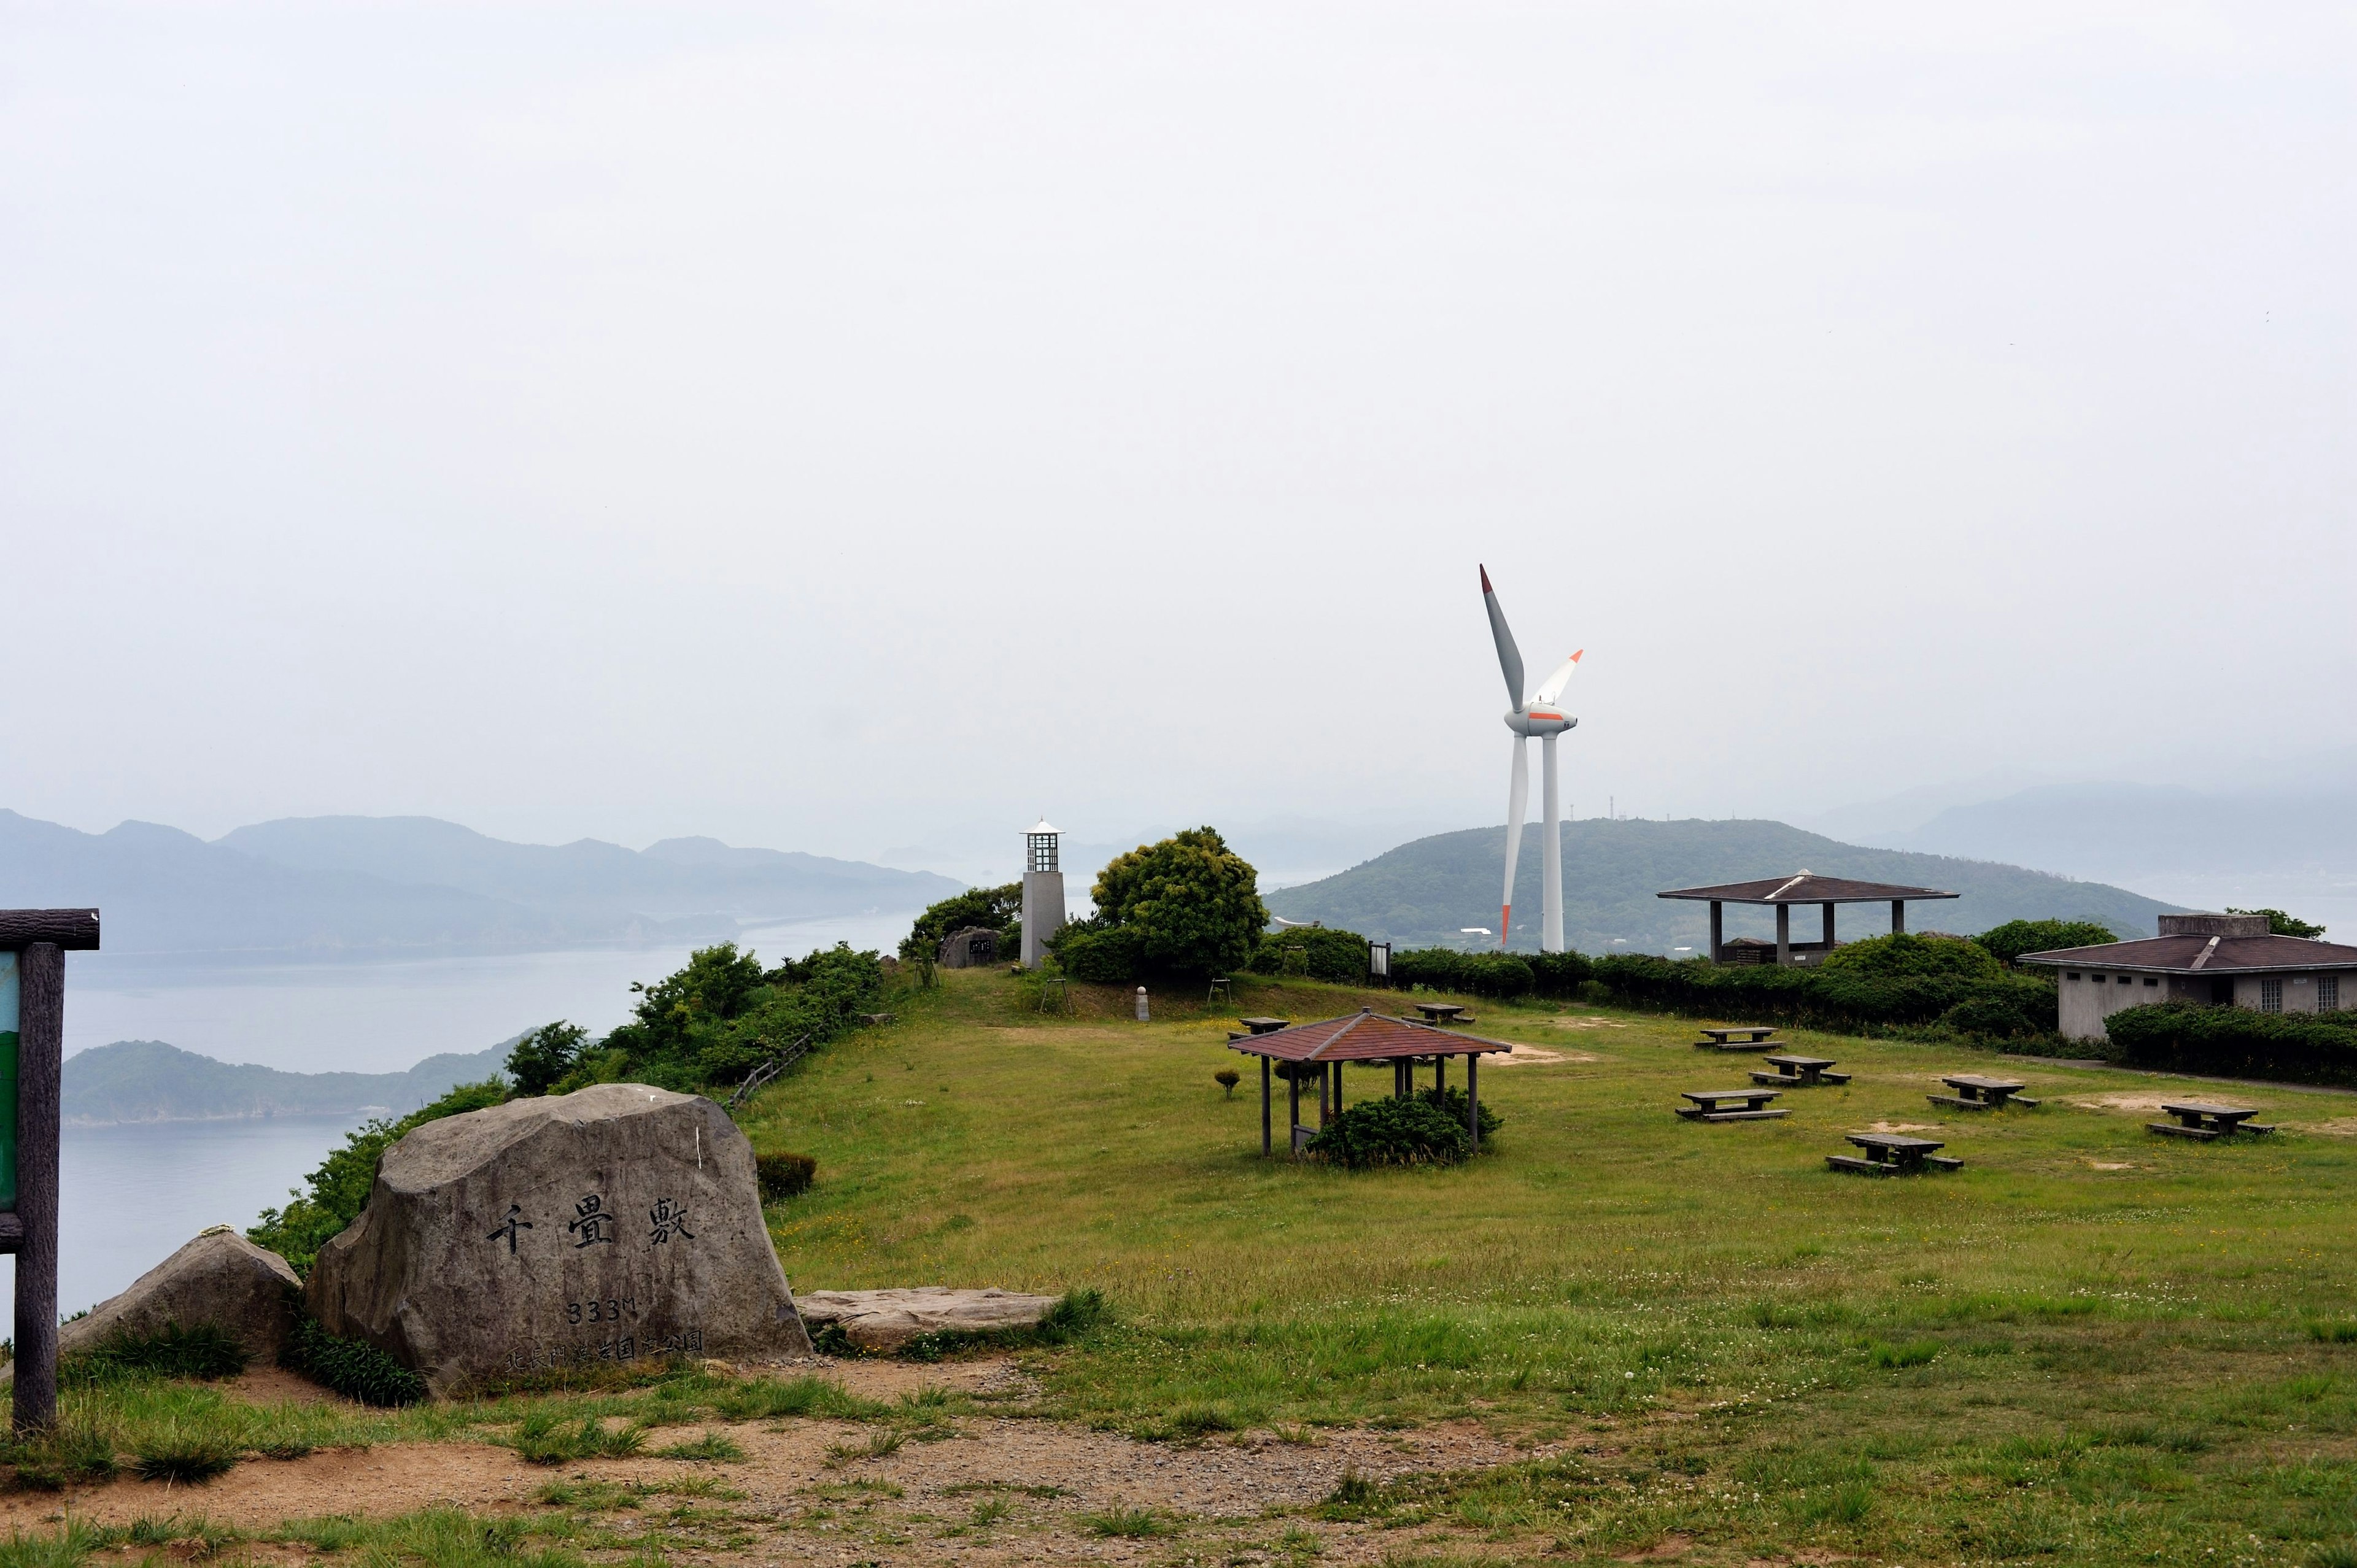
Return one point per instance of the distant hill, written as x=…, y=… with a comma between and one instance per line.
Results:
x=147, y=1080
x=361, y=888
x=1425, y=891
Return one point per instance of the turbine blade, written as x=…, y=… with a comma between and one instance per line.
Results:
x=1550, y=690
x=1509, y=658
x=1518, y=802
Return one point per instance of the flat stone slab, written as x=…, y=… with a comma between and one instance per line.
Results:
x=619, y=1223
x=885, y=1320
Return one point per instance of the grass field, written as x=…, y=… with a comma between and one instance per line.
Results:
x=2091, y=1344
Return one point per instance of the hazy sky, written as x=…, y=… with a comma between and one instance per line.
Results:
x=825, y=426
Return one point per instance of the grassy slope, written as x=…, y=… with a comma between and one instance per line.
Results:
x=2038, y=1354
x=1425, y=891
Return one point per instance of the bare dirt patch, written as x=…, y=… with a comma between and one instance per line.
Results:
x=1570, y=1023
x=2110, y=1166
x=1904, y=1127
x=1539, y=1055
x=2339, y=1127
x=2123, y=1102
x=1669, y=1546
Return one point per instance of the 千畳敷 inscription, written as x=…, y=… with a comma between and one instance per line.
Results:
x=503, y=1237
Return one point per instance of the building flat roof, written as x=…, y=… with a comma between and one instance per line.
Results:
x=2202, y=955
x=1364, y=1035
x=1807, y=887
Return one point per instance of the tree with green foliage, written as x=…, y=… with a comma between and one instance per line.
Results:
x=1903, y=955
x=336, y=1192
x=721, y=1014
x=2283, y=925
x=1326, y=953
x=999, y=910
x=541, y=1058
x=2013, y=938
x=1193, y=903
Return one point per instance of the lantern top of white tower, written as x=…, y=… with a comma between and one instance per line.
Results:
x=1041, y=826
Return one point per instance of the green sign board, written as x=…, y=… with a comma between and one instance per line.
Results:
x=7, y=1081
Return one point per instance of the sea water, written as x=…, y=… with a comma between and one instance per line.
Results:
x=131, y=1194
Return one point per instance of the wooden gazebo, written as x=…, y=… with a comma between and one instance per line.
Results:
x=1365, y=1036
x=1783, y=892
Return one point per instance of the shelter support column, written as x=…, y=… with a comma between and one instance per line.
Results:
x=1440, y=1074
x=1717, y=929
x=1898, y=915
x=1784, y=934
x=1829, y=928
x=40, y=1037
x=1263, y=1108
x=1473, y=1100
x=1292, y=1105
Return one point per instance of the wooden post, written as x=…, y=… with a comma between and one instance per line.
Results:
x=1440, y=1074
x=1784, y=934
x=1717, y=930
x=1898, y=916
x=40, y=1031
x=1292, y=1102
x=1473, y=1098
x=1829, y=928
x=1263, y=1108
x=1337, y=1089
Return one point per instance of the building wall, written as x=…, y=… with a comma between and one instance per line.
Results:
x=2096, y=995
x=1043, y=913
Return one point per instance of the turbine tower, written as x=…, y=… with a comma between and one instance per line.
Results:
x=1540, y=714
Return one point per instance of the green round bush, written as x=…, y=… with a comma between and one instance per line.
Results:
x=2013, y=938
x=1992, y=1017
x=1391, y=1133
x=1903, y=955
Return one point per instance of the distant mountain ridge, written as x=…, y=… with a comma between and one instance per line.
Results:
x=147, y=1080
x=1425, y=891
x=404, y=886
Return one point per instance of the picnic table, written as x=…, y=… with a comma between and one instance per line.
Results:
x=1724, y=1040
x=1892, y=1154
x=1799, y=1072
x=2198, y=1119
x=1438, y=1012
x=1976, y=1091
x=1266, y=1025
x=1714, y=1105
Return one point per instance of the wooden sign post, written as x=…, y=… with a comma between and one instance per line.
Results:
x=33, y=947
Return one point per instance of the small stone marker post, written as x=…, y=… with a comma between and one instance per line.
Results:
x=33, y=947
x=1141, y=1004
x=619, y=1223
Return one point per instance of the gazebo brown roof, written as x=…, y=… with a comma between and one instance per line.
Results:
x=1803, y=887
x=1365, y=1036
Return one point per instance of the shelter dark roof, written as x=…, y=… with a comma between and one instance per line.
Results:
x=2184, y=955
x=1363, y=1036
x=1807, y=888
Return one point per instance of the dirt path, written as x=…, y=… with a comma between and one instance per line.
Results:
x=1050, y=1484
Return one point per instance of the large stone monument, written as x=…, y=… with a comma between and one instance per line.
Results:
x=619, y=1223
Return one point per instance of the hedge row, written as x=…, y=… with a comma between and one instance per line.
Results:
x=2006, y=1006
x=1493, y=973
x=2236, y=1042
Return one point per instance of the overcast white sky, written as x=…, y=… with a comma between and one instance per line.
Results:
x=822, y=426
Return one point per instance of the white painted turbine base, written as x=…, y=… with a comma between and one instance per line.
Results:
x=1551, y=866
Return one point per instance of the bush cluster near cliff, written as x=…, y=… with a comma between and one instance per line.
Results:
x=723, y=1014
x=1896, y=980
x=1184, y=908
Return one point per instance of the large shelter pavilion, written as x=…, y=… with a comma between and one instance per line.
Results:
x=1807, y=887
x=1365, y=1036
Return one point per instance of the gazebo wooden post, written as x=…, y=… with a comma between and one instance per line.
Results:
x=1898, y=916
x=1440, y=1074
x=1473, y=1098
x=1784, y=934
x=1829, y=928
x=1293, y=1107
x=1263, y=1108
x=1337, y=1089
x=1718, y=929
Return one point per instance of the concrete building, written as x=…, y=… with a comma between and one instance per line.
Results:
x=1783, y=892
x=2223, y=960
x=1043, y=892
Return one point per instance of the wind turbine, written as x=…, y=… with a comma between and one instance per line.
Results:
x=1539, y=715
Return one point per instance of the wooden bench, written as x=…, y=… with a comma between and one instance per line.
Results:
x=1438, y=1012
x=2198, y=1119
x=1893, y=1153
x=1717, y=1039
x=1711, y=1105
x=1266, y=1025
x=1977, y=1092
x=1799, y=1072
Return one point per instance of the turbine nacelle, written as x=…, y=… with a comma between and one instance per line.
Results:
x=1529, y=722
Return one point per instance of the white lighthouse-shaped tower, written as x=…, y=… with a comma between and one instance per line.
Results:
x=1043, y=892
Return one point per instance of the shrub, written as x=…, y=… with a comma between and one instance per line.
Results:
x=1393, y=1133
x=1995, y=1017
x=203, y=1351
x=721, y=1016
x=184, y=1457
x=2237, y=1042
x=1499, y=974
x=2010, y=940
x=543, y=1057
x=340, y=1187
x=1903, y=955
x=1559, y=973
x=1227, y=1078
x=1451, y=1102
x=1333, y=955
x=1099, y=952
x=784, y=1176
x=352, y=1368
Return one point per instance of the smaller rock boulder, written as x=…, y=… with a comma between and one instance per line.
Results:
x=882, y=1321
x=220, y=1278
